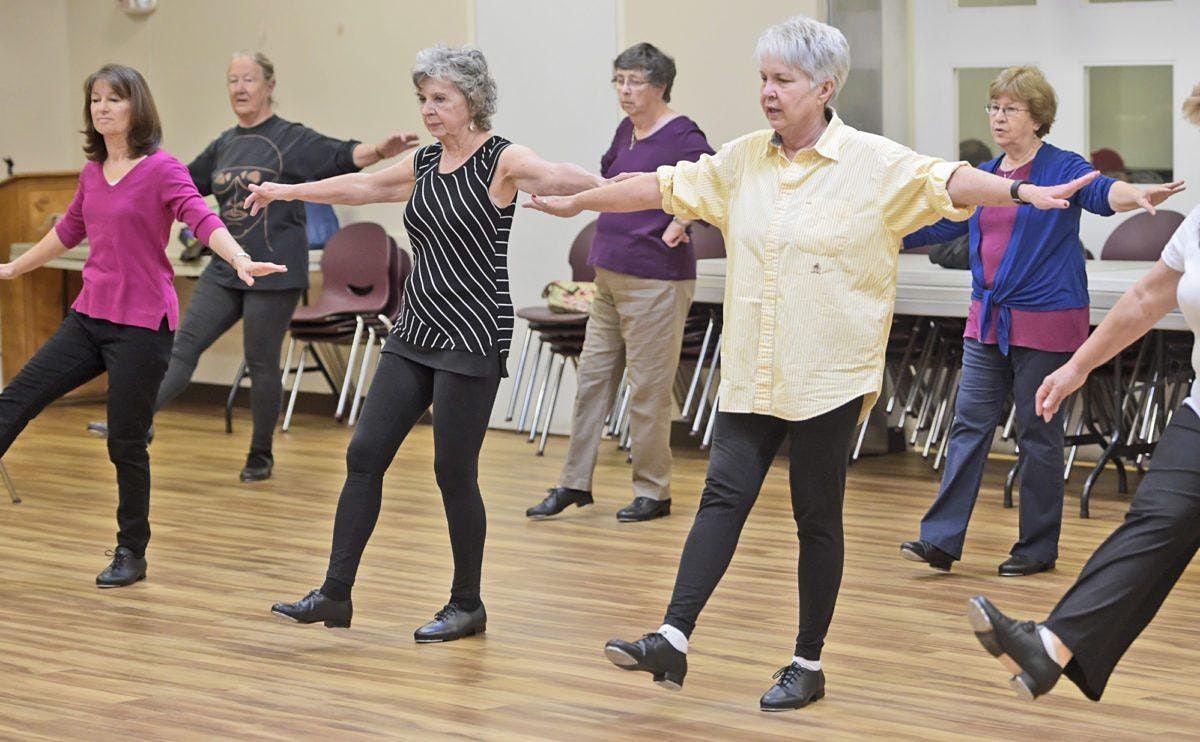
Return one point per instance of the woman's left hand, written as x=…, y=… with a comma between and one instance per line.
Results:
x=247, y=269
x=554, y=205
x=1151, y=197
x=1057, y=196
x=401, y=141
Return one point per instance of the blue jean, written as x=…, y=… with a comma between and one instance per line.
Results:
x=987, y=378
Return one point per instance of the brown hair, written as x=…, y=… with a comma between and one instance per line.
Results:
x=1191, y=106
x=145, y=130
x=1028, y=85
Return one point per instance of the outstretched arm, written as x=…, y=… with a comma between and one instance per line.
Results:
x=524, y=170
x=391, y=184
x=366, y=155
x=1125, y=197
x=637, y=193
x=48, y=248
x=1132, y=316
x=970, y=186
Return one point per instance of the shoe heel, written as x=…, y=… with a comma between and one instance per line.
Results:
x=1023, y=686
x=337, y=624
x=669, y=680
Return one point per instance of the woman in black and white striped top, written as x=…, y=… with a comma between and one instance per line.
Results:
x=450, y=345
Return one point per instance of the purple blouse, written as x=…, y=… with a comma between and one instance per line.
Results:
x=127, y=278
x=1058, y=331
x=632, y=243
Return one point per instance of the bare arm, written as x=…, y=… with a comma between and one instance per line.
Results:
x=523, y=170
x=1133, y=315
x=391, y=184
x=366, y=155
x=637, y=193
x=48, y=248
x=970, y=186
x=1125, y=197
x=223, y=244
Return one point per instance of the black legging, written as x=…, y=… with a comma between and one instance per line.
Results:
x=212, y=310
x=400, y=393
x=1125, y=582
x=744, y=447
x=82, y=349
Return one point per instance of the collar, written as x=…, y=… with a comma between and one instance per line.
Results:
x=828, y=145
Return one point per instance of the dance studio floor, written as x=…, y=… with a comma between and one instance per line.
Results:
x=193, y=652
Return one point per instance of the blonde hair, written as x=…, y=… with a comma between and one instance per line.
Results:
x=1028, y=85
x=1191, y=106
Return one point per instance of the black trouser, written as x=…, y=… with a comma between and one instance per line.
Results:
x=1128, y=578
x=135, y=359
x=400, y=393
x=743, y=448
x=212, y=310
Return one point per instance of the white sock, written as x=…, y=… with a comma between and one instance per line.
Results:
x=1048, y=642
x=674, y=636
x=812, y=665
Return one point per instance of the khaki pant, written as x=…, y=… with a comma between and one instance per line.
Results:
x=635, y=323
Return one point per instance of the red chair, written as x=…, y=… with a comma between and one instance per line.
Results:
x=356, y=267
x=1142, y=236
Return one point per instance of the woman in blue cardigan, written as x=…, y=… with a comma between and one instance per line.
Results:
x=1029, y=312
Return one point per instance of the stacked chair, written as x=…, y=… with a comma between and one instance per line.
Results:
x=559, y=333
x=358, y=268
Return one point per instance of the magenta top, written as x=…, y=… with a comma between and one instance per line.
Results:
x=127, y=278
x=1059, y=331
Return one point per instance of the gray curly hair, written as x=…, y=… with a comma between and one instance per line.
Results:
x=817, y=49
x=466, y=68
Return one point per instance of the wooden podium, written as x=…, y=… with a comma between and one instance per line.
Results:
x=32, y=306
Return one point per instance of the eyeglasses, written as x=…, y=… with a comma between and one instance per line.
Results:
x=991, y=109
x=634, y=83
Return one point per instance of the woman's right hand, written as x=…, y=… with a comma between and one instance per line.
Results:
x=6, y=272
x=1055, y=388
x=554, y=205
x=675, y=234
x=263, y=194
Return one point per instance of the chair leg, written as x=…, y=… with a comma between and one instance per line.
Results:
x=287, y=417
x=541, y=401
x=341, y=405
x=359, y=394
x=242, y=372
x=533, y=377
x=708, y=382
x=706, y=441
x=622, y=418
x=691, y=392
x=287, y=361
x=562, y=364
x=610, y=420
x=8, y=484
x=516, y=383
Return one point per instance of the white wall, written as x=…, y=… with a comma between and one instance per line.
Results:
x=39, y=111
x=1062, y=37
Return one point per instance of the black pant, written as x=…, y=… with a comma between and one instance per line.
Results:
x=1130, y=575
x=743, y=448
x=212, y=310
x=400, y=393
x=135, y=359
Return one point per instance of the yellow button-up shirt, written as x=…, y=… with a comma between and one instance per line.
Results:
x=812, y=247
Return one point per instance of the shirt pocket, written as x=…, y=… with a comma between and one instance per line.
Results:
x=824, y=228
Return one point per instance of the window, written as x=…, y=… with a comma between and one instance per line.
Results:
x=1130, y=122
x=973, y=124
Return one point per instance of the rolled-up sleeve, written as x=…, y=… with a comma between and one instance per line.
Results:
x=915, y=193
x=700, y=189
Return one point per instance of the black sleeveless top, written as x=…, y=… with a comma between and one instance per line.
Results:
x=456, y=301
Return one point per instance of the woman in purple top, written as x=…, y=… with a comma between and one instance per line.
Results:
x=130, y=192
x=1029, y=312
x=645, y=277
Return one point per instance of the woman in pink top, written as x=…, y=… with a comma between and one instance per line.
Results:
x=1029, y=312
x=130, y=192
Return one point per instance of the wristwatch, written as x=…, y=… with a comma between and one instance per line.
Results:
x=1012, y=191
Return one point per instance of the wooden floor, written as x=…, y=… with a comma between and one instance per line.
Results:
x=193, y=653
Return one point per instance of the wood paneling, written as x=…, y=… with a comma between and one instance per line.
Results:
x=192, y=652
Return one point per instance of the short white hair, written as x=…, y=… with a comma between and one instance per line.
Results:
x=816, y=49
